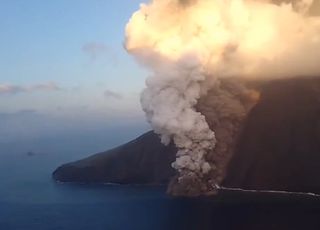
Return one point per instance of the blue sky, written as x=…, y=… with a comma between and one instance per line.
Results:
x=64, y=60
x=75, y=44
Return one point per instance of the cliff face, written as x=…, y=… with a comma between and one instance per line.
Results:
x=142, y=161
x=279, y=148
x=274, y=146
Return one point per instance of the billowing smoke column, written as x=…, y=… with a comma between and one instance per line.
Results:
x=192, y=45
x=169, y=102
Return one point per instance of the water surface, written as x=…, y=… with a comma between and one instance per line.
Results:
x=30, y=200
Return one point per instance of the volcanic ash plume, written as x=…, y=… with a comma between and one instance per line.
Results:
x=169, y=102
x=192, y=45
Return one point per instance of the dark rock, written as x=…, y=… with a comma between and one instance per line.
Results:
x=142, y=161
x=279, y=148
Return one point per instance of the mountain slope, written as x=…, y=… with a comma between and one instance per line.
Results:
x=142, y=161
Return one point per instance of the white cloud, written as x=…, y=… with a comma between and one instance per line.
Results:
x=13, y=89
x=94, y=49
x=112, y=94
x=97, y=50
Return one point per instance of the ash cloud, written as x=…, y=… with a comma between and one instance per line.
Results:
x=187, y=2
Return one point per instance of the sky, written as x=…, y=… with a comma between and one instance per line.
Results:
x=63, y=65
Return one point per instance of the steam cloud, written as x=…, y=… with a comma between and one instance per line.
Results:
x=193, y=46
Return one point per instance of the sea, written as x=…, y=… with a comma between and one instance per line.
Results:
x=31, y=200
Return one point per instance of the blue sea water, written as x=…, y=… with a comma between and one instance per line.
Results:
x=31, y=200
